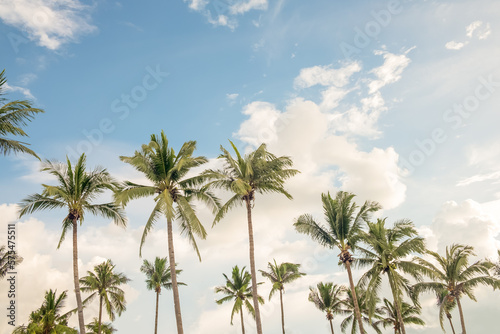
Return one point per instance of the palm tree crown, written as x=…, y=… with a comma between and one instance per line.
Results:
x=409, y=313
x=327, y=297
x=14, y=115
x=8, y=260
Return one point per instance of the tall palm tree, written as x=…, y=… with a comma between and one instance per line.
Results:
x=343, y=226
x=409, y=313
x=365, y=308
x=279, y=275
x=158, y=276
x=76, y=191
x=106, y=327
x=47, y=319
x=327, y=297
x=14, y=115
x=446, y=303
x=454, y=274
x=244, y=177
x=166, y=171
x=387, y=251
x=8, y=261
x=239, y=289
x=105, y=283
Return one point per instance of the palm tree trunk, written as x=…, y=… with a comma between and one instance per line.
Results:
x=331, y=326
x=282, y=312
x=462, y=321
x=252, y=268
x=396, y=303
x=173, y=273
x=354, y=298
x=156, y=316
x=242, y=322
x=451, y=323
x=100, y=315
x=79, y=305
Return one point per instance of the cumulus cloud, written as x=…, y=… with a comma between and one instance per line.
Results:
x=452, y=45
x=390, y=71
x=49, y=23
x=326, y=75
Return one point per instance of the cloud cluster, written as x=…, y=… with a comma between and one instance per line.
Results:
x=49, y=22
x=477, y=29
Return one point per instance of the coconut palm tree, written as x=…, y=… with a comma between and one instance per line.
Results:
x=446, y=303
x=279, y=275
x=106, y=327
x=76, y=190
x=8, y=261
x=327, y=297
x=386, y=253
x=105, y=283
x=343, y=226
x=166, y=171
x=454, y=274
x=47, y=319
x=239, y=289
x=365, y=308
x=14, y=115
x=244, y=177
x=409, y=313
x=158, y=276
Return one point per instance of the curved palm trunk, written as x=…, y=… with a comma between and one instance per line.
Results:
x=242, y=322
x=282, y=312
x=357, y=313
x=156, y=316
x=173, y=273
x=462, y=321
x=100, y=316
x=451, y=323
x=79, y=305
x=396, y=303
x=331, y=326
x=252, y=268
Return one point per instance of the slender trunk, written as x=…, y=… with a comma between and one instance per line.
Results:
x=282, y=312
x=331, y=326
x=354, y=298
x=242, y=322
x=173, y=273
x=79, y=305
x=100, y=315
x=396, y=303
x=462, y=321
x=156, y=316
x=451, y=323
x=252, y=269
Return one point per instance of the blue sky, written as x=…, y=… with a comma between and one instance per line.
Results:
x=396, y=101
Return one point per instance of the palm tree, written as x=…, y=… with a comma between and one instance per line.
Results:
x=76, y=190
x=238, y=288
x=47, y=319
x=8, y=261
x=158, y=276
x=342, y=231
x=13, y=116
x=106, y=327
x=279, y=275
x=446, y=303
x=327, y=297
x=172, y=193
x=409, y=313
x=454, y=274
x=365, y=308
x=104, y=282
x=387, y=251
x=257, y=172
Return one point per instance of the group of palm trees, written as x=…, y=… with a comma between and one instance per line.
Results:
x=393, y=251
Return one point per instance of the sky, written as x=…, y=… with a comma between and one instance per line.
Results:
x=395, y=101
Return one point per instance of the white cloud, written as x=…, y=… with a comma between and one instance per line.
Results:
x=455, y=45
x=479, y=178
x=25, y=91
x=478, y=29
x=326, y=75
x=231, y=98
x=197, y=4
x=50, y=23
x=390, y=71
x=245, y=6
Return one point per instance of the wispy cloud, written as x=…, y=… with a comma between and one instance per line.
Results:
x=479, y=178
x=51, y=23
x=25, y=91
x=326, y=75
x=477, y=29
